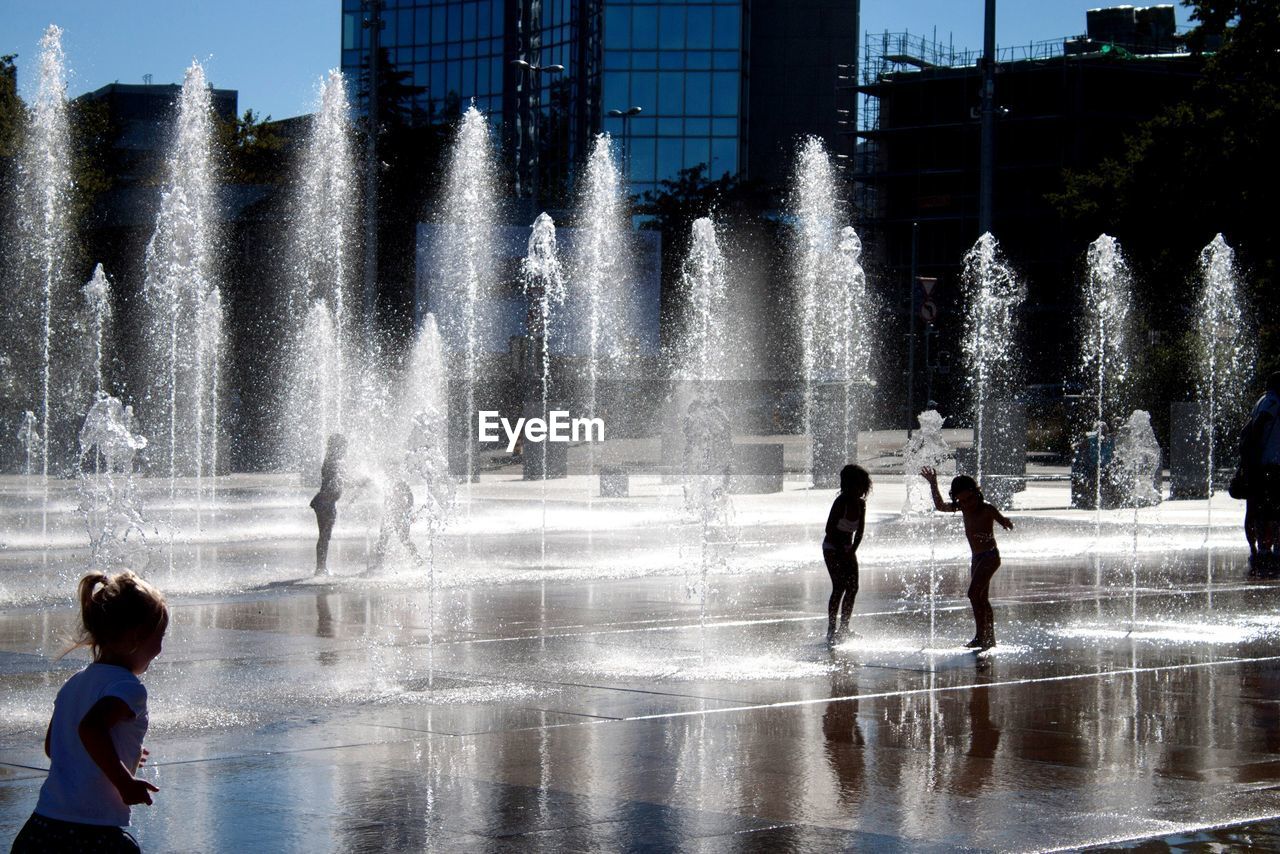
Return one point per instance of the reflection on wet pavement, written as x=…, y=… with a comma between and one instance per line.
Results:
x=605, y=715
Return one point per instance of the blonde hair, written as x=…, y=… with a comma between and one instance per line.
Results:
x=111, y=606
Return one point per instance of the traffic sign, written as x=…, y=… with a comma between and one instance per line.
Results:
x=928, y=311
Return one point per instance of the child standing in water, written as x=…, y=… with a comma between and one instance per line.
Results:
x=325, y=502
x=845, y=524
x=979, y=528
x=94, y=740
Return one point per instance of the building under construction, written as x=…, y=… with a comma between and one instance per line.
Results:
x=1061, y=105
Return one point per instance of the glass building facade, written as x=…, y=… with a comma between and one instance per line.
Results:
x=681, y=63
x=685, y=63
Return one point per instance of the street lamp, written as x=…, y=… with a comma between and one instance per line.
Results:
x=535, y=73
x=625, y=116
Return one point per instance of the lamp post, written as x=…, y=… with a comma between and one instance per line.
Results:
x=374, y=23
x=535, y=73
x=626, y=116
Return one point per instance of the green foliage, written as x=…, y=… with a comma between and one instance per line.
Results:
x=1203, y=166
x=13, y=114
x=255, y=150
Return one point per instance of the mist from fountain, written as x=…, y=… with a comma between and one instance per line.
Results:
x=184, y=309
x=926, y=447
x=29, y=438
x=993, y=294
x=1105, y=341
x=701, y=361
x=109, y=501
x=1226, y=352
x=468, y=215
x=97, y=300
x=322, y=256
x=1136, y=468
x=835, y=308
x=544, y=285
x=44, y=185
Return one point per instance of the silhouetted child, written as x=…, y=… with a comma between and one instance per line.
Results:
x=845, y=524
x=94, y=739
x=397, y=519
x=325, y=502
x=979, y=527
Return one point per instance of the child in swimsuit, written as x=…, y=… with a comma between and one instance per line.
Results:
x=845, y=524
x=979, y=528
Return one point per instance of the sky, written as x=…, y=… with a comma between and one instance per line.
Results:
x=275, y=51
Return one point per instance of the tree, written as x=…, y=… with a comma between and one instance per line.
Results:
x=12, y=111
x=1203, y=166
x=255, y=150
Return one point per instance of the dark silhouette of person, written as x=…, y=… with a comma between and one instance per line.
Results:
x=845, y=525
x=397, y=518
x=979, y=528
x=325, y=502
x=1260, y=463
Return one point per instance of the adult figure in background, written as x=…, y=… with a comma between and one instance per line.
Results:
x=1260, y=463
x=325, y=502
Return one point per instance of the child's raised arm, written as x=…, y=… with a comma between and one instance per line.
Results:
x=931, y=475
x=95, y=734
x=1001, y=518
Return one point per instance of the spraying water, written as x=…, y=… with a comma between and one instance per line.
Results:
x=322, y=253
x=469, y=212
x=926, y=447
x=544, y=285
x=992, y=297
x=184, y=323
x=1226, y=351
x=835, y=329
x=702, y=357
x=1136, y=467
x=108, y=500
x=1104, y=345
x=97, y=300
x=29, y=438
x=600, y=266
x=44, y=194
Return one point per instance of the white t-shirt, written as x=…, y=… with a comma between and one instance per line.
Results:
x=76, y=789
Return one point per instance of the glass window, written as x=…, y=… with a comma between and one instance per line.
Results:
x=455, y=21
x=642, y=163
x=482, y=78
x=350, y=26
x=671, y=94
x=724, y=127
x=670, y=127
x=469, y=20
x=617, y=60
x=421, y=54
x=454, y=81
x=697, y=127
x=671, y=28
x=697, y=151
x=699, y=33
x=644, y=91
x=614, y=95
x=697, y=93
x=700, y=59
x=671, y=59
x=724, y=157
x=670, y=156
x=438, y=33
x=644, y=27
x=724, y=97
x=726, y=59
x=437, y=80
x=483, y=25
x=644, y=59
x=389, y=28
x=405, y=26
x=498, y=9
x=421, y=74
x=453, y=50
x=644, y=126
x=617, y=28
x=728, y=28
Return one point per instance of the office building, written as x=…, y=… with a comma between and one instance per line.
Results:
x=720, y=83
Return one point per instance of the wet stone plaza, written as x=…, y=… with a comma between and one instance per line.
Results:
x=596, y=699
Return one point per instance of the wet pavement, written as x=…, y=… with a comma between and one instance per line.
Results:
x=623, y=715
